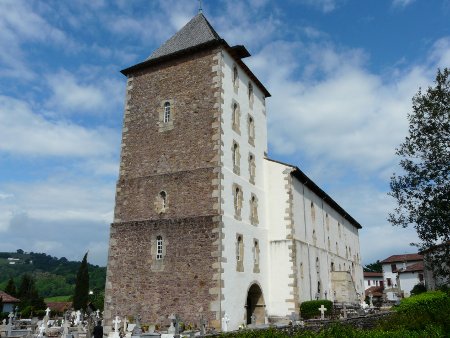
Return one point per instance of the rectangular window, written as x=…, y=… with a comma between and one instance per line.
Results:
x=368, y=282
x=393, y=268
x=389, y=281
x=159, y=247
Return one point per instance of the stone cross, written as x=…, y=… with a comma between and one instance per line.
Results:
x=47, y=312
x=98, y=313
x=172, y=329
x=10, y=316
x=253, y=318
x=293, y=318
x=41, y=330
x=9, y=326
x=116, y=323
x=202, y=326
x=78, y=317
x=225, y=321
x=125, y=322
x=370, y=297
x=322, y=310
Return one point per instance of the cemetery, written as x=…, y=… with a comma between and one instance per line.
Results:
x=431, y=308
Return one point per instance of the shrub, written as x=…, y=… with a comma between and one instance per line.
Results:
x=310, y=309
x=419, y=312
x=418, y=289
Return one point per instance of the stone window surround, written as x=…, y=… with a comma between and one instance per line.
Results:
x=254, y=210
x=239, y=252
x=159, y=247
x=236, y=117
x=251, y=168
x=256, y=255
x=161, y=202
x=236, y=158
x=251, y=94
x=158, y=263
x=237, y=198
x=251, y=129
x=162, y=125
x=235, y=78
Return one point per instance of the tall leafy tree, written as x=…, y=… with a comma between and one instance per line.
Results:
x=374, y=267
x=422, y=190
x=81, y=295
x=10, y=288
x=28, y=294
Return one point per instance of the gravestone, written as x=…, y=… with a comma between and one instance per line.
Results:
x=172, y=319
x=41, y=330
x=137, y=331
x=225, y=321
x=322, y=310
x=294, y=318
x=202, y=326
x=370, y=298
x=253, y=319
x=9, y=326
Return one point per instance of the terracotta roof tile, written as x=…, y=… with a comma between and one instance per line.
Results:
x=373, y=274
x=7, y=298
x=403, y=258
x=415, y=267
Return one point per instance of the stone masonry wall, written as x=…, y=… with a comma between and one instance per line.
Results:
x=148, y=154
x=181, y=287
x=181, y=159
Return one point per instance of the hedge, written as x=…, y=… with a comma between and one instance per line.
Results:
x=310, y=309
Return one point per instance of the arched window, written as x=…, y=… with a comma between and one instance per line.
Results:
x=166, y=112
x=239, y=253
x=339, y=229
x=237, y=194
x=253, y=210
x=235, y=117
x=250, y=92
x=251, y=168
x=313, y=213
x=314, y=236
x=332, y=266
x=235, y=77
x=236, y=158
x=163, y=196
x=337, y=248
x=256, y=251
x=159, y=247
x=329, y=244
x=251, y=130
x=327, y=221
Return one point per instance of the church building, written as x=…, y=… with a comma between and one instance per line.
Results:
x=205, y=223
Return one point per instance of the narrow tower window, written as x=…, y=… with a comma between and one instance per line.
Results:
x=159, y=247
x=235, y=117
x=253, y=210
x=166, y=112
x=235, y=77
x=251, y=168
x=237, y=194
x=236, y=158
x=239, y=253
x=163, y=196
x=251, y=130
x=161, y=203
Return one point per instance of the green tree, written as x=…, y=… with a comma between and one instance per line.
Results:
x=374, y=267
x=28, y=294
x=422, y=191
x=81, y=295
x=10, y=288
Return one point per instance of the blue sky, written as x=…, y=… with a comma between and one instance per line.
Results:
x=341, y=73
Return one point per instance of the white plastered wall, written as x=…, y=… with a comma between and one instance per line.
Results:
x=236, y=284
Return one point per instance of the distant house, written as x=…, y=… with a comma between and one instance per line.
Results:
x=373, y=279
x=400, y=274
x=432, y=281
x=9, y=302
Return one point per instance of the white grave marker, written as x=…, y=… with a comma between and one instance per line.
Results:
x=322, y=310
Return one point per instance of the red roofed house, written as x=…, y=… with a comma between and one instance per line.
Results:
x=373, y=279
x=400, y=274
x=8, y=302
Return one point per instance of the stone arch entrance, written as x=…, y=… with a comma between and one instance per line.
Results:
x=255, y=305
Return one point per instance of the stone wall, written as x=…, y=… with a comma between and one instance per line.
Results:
x=138, y=284
x=180, y=158
x=149, y=154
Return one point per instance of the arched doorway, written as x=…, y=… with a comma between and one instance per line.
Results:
x=255, y=305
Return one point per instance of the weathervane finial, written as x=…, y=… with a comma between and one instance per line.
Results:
x=200, y=10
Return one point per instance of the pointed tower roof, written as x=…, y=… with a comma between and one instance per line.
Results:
x=196, y=32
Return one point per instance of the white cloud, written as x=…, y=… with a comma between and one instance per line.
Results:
x=19, y=24
x=78, y=95
x=401, y=3
x=325, y=6
x=23, y=132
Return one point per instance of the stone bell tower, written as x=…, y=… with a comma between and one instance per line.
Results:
x=165, y=238
x=186, y=204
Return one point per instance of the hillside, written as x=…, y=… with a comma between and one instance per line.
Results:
x=54, y=276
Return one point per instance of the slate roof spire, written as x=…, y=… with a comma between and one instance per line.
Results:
x=196, y=32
